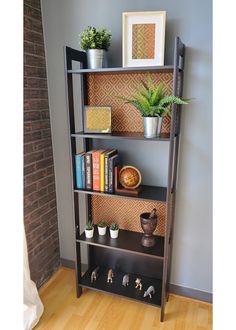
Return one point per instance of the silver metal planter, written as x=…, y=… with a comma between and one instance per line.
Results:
x=96, y=58
x=152, y=126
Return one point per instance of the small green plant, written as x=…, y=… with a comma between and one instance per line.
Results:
x=114, y=226
x=89, y=225
x=152, y=100
x=102, y=224
x=93, y=38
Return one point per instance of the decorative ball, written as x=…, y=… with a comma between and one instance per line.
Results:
x=130, y=177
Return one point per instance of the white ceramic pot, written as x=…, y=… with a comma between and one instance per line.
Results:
x=114, y=233
x=102, y=230
x=89, y=233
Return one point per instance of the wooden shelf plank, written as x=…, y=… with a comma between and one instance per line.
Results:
x=162, y=68
x=147, y=193
x=128, y=241
x=122, y=135
x=116, y=288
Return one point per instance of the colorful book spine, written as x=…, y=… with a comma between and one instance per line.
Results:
x=89, y=170
x=113, y=161
x=106, y=168
x=78, y=171
x=96, y=169
x=83, y=172
x=102, y=174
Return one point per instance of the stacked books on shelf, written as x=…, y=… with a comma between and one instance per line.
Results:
x=95, y=170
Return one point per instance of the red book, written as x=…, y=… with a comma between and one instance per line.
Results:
x=96, y=169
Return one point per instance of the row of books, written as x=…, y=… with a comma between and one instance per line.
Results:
x=94, y=170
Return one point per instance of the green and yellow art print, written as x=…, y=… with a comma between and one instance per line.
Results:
x=97, y=119
x=143, y=41
x=143, y=38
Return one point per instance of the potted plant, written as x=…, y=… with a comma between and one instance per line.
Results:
x=96, y=43
x=114, y=230
x=89, y=230
x=102, y=227
x=153, y=103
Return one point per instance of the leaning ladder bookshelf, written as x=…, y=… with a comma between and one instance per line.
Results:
x=125, y=254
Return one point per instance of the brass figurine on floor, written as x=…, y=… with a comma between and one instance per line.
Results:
x=138, y=284
x=109, y=276
x=94, y=274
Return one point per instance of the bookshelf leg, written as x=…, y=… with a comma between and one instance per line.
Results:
x=162, y=314
x=78, y=291
x=167, y=296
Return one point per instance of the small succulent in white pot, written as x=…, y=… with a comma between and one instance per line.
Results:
x=89, y=230
x=114, y=230
x=102, y=227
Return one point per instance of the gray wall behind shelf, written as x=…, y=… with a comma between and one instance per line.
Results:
x=192, y=21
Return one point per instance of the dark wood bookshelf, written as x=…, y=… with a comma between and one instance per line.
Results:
x=147, y=193
x=162, y=68
x=116, y=288
x=124, y=254
x=122, y=135
x=127, y=240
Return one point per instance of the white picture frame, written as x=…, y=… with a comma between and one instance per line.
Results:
x=143, y=38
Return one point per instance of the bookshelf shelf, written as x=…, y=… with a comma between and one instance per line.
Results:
x=124, y=254
x=116, y=288
x=162, y=68
x=128, y=241
x=147, y=193
x=137, y=136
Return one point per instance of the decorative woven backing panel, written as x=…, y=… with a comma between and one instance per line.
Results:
x=126, y=212
x=102, y=91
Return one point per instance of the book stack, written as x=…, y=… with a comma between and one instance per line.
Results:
x=95, y=170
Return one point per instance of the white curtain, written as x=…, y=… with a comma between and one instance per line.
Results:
x=33, y=307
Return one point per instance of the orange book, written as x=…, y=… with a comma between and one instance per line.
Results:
x=96, y=169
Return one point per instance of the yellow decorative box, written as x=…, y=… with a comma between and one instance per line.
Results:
x=97, y=119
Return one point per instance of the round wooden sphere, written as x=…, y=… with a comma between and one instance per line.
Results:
x=130, y=177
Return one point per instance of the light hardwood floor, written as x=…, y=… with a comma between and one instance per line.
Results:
x=99, y=311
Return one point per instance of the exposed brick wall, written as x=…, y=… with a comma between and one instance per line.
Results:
x=40, y=212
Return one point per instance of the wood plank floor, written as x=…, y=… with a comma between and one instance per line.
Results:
x=99, y=311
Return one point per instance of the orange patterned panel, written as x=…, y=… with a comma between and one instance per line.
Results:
x=126, y=212
x=103, y=90
x=165, y=126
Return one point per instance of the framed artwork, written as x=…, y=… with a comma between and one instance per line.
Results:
x=97, y=119
x=143, y=39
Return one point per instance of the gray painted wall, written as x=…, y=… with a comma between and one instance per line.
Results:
x=192, y=21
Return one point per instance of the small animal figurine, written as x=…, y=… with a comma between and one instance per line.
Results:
x=94, y=274
x=125, y=281
x=109, y=276
x=138, y=283
x=149, y=292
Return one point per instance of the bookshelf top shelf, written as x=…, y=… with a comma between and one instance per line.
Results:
x=162, y=68
x=138, y=136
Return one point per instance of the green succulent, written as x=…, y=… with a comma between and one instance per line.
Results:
x=92, y=38
x=89, y=225
x=114, y=226
x=152, y=100
x=102, y=224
